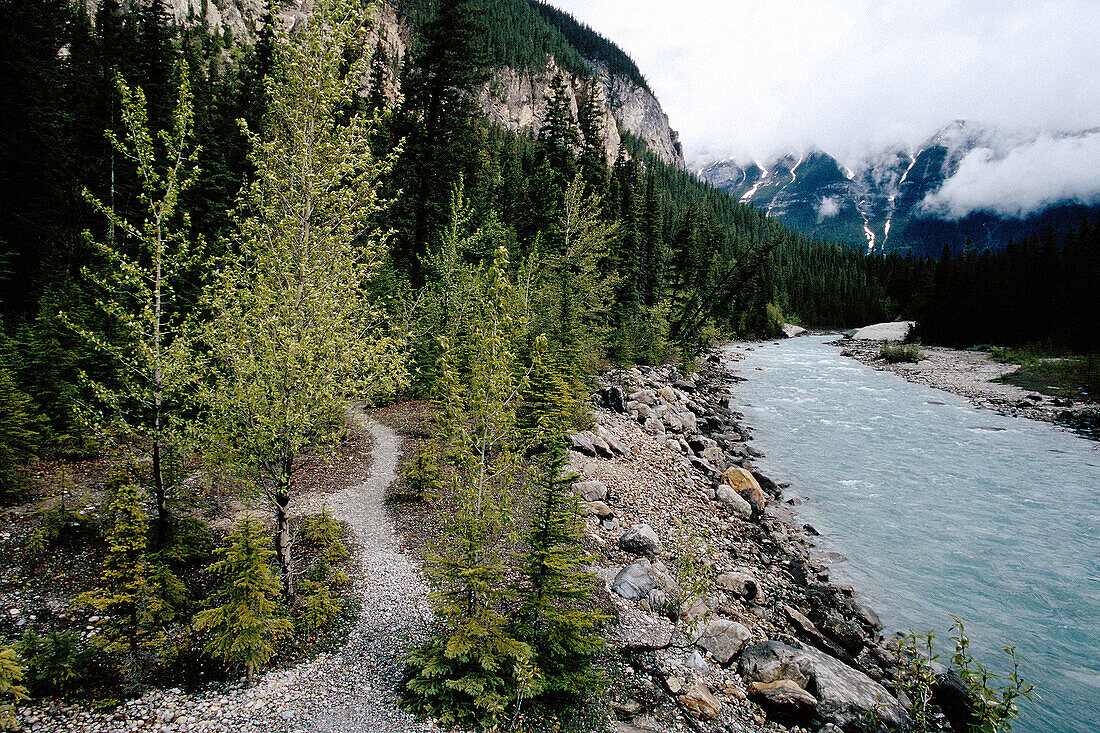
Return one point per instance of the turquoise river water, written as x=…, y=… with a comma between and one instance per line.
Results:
x=939, y=508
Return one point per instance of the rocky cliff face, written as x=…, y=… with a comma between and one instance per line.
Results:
x=515, y=100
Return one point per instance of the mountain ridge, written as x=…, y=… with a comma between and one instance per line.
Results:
x=899, y=198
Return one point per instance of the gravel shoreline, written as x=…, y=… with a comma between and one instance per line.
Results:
x=970, y=374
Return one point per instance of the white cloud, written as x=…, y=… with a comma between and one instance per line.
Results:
x=828, y=208
x=761, y=77
x=1024, y=180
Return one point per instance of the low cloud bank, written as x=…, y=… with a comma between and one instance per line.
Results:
x=1026, y=179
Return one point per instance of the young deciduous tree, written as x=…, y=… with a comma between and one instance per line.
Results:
x=296, y=331
x=246, y=623
x=139, y=287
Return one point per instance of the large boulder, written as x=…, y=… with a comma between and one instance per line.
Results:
x=894, y=331
x=738, y=583
x=640, y=411
x=724, y=639
x=715, y=457
x=601, y=446
x=700, y=702
x=653, y=426
x=769, y=661
x=583, y=444
x=733, y=502
x=591, y=490
x=640, y=539
x=645, y=396
x=614, y=443
x=612, y=398
x=668, y=394
x=635, y=581
x=844, y=695
x=745, y=484
x=784, y=699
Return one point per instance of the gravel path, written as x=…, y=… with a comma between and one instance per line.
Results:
x=355, y=690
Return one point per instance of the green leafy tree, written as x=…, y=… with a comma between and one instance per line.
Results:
x=297, y=330
x=247, y=622
x=472, y=672
x=556, y=618
x=139, y=285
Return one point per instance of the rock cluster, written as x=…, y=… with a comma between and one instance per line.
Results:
x=750, y=635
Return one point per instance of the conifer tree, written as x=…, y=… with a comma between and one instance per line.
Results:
x=123, y=590
x=471, y=673
x=246, y=622
x=297, y=330
x=440, y=113
x=555, y=618
x=12, y=672
x=140, y=283
x=19, y=433
x=593, y=162
x=558, y=136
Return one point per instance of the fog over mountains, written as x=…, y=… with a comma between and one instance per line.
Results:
x=966, y=185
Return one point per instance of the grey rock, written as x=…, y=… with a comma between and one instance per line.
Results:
x=653, y=426
x=845, y=695
x=784, y=698
x=602, y=448
x=723, y=638
x=614, y=443
x=591, y=490
x=740, y=584
x=697, y=663
x=773, y=660
x=867, y=614
x=635, y=581
x=640, y=539
x=668, y=394
x=715, y=457
x=733, y=502
x=645, y=396
x=583, y=444
x=640, y=411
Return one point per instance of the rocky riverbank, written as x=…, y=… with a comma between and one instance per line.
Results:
x=726, y=621
x=971, y=374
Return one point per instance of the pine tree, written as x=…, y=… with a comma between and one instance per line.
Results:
x=123, y=593
x=139, y=286
x=555, y=616
x=19, y=433
x=247, y=622
x=472, y=672
x=440, y=114
x=558, y=136
x=296, y=329
x=593, y=161
x=12, y=672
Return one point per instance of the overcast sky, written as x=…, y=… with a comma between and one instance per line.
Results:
x=752, y=78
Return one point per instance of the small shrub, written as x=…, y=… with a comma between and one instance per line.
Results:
x=993, y=697
x=323, y=530
x=421, y=475
x=320, y=608
x=897, y=353
x=58, y=663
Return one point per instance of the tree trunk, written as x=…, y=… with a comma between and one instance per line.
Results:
x=282, y=542
x=160, y=529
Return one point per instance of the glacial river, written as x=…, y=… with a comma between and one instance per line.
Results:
x=940, y=508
